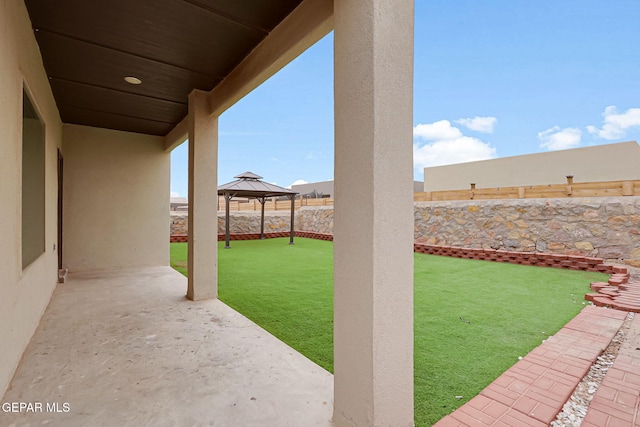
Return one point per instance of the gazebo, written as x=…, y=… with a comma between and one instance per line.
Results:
x=248, y=185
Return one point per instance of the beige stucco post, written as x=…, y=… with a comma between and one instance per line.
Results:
x=373, y=229
x=203, y=199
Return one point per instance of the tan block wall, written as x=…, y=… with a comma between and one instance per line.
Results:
x=24, y=294
x=116, y=199
x=610, y=162
x=326, y=187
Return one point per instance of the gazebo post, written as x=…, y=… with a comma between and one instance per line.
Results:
x=227, y=200
x=293, y=211
x=261, y=200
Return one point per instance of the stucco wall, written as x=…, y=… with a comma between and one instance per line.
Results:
x=324, y=187
x=610, y=162
x=115, y=199
x=24, y=294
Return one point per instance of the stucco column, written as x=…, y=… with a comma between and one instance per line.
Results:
x=203, y=199
x=373, y=227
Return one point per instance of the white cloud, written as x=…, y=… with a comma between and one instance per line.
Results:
x=440, y=130
x=479, y=124
x=559, y=139
x=616, y=124
x=459, y=150
x=445, y=144
x=175, y=194
x=297, y=182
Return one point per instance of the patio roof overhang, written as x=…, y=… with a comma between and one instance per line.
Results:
x=249, y=185
x=172, y=47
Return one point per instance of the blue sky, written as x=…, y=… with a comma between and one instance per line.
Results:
x=492, y=79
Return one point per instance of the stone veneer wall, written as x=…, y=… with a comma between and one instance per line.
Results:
x=318, y=219
x=240, y=222
x=603, y=227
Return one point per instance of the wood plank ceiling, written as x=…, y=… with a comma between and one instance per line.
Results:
x=172, y=46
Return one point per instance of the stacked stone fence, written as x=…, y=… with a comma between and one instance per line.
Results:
x=316, y=219
x=607, y=228
x=604, y=227
x=240, y=222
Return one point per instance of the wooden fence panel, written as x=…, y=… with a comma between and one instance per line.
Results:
x=570, y=189
x=319, y=202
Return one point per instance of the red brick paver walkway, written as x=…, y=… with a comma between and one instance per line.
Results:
x=617, y=401
x=534, y=390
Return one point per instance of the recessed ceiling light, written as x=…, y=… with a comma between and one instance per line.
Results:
x=133, y=80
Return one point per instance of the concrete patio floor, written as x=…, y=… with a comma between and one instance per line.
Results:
x=127, y=348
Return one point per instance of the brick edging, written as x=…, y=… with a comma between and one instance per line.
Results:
x=541, y=259
x=182, y=238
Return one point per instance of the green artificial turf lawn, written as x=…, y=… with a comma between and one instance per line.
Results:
x=178, y=257
x=473, y=319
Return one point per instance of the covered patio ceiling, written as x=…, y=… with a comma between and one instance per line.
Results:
x=171, y=46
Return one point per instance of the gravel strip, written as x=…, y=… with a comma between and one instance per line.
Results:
x=574, y=411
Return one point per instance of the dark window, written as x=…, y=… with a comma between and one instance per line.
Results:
x=33, y=182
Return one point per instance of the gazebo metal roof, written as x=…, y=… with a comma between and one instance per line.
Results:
x=249, y=185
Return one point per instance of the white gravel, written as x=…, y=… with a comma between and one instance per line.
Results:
x=574, y=411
